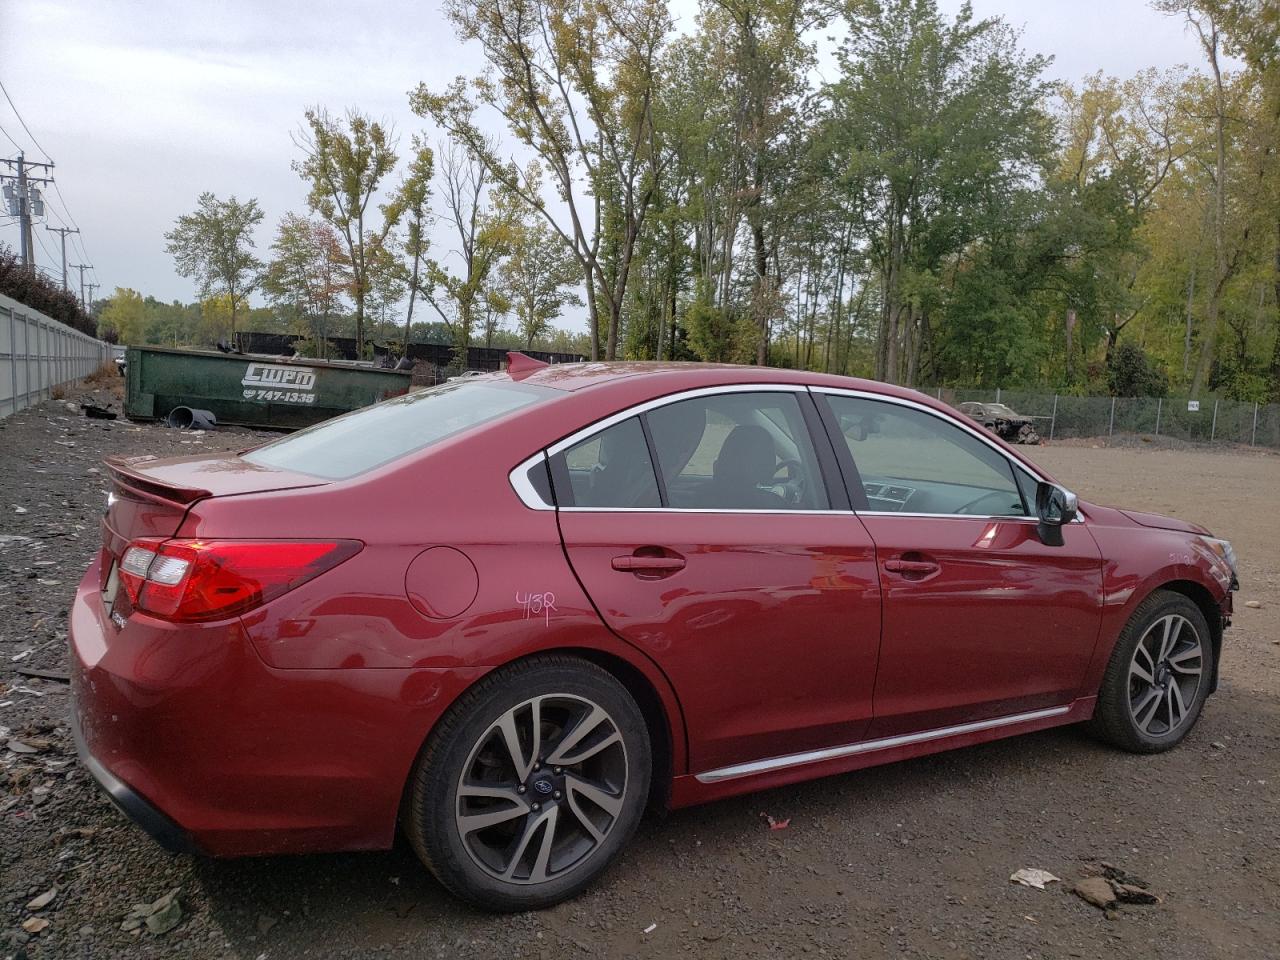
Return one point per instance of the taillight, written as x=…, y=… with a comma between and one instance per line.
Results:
x=190, y=580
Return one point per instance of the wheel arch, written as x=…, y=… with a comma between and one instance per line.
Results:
x=657, y=700
x=662, y=731
x=1198, y=594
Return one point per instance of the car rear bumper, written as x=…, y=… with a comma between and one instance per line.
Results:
x=130, y=802
x=208, y=749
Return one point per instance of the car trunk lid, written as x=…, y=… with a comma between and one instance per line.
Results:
x=151, y=496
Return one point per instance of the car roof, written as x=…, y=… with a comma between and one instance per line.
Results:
x=662, y=376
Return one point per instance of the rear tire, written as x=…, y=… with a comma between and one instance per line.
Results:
x=531, y=784
x=1158, y=676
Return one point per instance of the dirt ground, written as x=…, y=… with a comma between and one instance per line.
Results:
x=907, y=860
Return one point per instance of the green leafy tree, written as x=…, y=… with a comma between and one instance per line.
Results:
x=125, y=316
x=345, y=163
x=1132, y=373
x=457, y=287
x=537, y=278
x=308, y=276
x=575, y=83
x=214, y=245
x=412, y=205
x=937, y=127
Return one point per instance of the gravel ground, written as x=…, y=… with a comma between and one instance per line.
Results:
x=908, y=860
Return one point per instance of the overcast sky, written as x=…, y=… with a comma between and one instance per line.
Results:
x=144, y=105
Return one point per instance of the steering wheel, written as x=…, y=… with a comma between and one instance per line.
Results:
x=793, y=483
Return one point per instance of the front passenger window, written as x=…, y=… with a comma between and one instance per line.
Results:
x=911, y=461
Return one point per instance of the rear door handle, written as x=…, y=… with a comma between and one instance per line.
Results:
x=634, y=564
x=912, y=567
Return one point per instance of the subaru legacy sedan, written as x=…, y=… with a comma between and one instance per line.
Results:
x=507, y=614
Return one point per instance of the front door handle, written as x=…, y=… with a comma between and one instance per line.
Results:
x=912, y=568
x=649, y=565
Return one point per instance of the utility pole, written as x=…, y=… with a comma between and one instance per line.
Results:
x=82, y=267
x=64, y=231
x=24, y=201
x=92, y=287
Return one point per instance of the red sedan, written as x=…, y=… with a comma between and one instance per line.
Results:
x=508, y=613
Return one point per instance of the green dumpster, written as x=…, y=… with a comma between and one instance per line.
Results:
x=252, y=390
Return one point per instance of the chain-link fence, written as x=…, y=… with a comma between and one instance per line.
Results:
x=1205, y=421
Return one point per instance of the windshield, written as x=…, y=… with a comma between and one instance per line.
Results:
x=351, y=444
x=1000, y=409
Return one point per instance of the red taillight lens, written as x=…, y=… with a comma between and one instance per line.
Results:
x=190, y=580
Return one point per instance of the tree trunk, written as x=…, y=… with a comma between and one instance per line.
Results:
x=413, y=290
x=593, y=314
x=1209, y=335
x=1275, y=347
x=761, y=294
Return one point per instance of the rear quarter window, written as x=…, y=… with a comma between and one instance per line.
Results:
x=371, y=437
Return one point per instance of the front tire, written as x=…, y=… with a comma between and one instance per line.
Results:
x=531, y=784
x=1158, y=677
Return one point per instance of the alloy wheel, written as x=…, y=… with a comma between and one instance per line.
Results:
x=541, y=789
x=1165, y=675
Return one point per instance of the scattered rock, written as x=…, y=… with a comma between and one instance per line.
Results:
x=42, y=901
x=166, y=914
x=77, y=833
x=160, y=916
x=1253, y=604
x=1034, y=877
x=1097, y=891
x=265, y=923
x=1218, y=745
x=1131, y=893
x=1115, y=874
x=34, y=924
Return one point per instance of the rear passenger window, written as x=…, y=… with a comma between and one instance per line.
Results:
x=612, y=469
x=737, y=451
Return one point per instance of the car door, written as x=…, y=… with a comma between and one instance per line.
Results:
x=702, y=529
x=981, y=619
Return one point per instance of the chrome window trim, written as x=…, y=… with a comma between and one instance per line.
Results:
x=973, y=431
x=1011, y=517
x=604, y=424
x=774, y=513
x=870, y=746
x=980, y=435
x=529, y=497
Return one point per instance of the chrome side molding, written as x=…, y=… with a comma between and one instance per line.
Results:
x=870, y=746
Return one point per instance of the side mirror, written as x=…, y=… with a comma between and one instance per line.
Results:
x=1054, y=507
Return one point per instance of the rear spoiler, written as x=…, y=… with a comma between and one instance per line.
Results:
x=125, y=474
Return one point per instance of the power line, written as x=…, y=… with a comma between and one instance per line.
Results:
x=40, y=240
x=66, y=207
x=16, y=145
x=24, y=123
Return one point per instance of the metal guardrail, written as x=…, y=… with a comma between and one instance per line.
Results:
x=1197, y=421
x=37, y=353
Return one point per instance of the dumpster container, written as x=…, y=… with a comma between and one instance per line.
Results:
x=252, y=390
